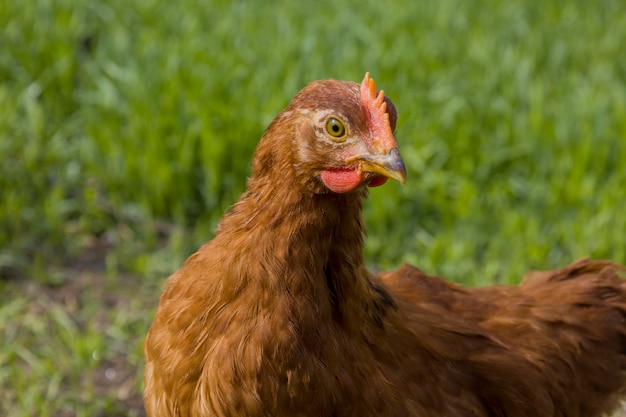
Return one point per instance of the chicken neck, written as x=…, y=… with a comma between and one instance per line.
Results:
x=308, y=247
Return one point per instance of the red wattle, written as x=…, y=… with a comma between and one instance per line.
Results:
x=341, y=180
x=378, y=181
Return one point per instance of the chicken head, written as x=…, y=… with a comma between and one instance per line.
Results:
x=340, y=136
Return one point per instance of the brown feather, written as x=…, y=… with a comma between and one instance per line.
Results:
x=277, y=315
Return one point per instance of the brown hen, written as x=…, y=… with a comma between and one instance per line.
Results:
x=278, y=316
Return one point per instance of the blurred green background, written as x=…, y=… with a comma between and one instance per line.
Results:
x=127, y=128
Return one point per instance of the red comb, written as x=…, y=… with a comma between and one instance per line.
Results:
x=376, y=109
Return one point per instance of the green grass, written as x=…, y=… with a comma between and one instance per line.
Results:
x=127, y=127
x=71, y=351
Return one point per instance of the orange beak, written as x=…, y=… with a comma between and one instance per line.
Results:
x=390, y=165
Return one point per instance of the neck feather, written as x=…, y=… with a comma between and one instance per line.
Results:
x=306, y=245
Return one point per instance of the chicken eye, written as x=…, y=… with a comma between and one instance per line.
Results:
x=335, y=128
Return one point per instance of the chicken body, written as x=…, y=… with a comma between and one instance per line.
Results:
x=278, y=316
